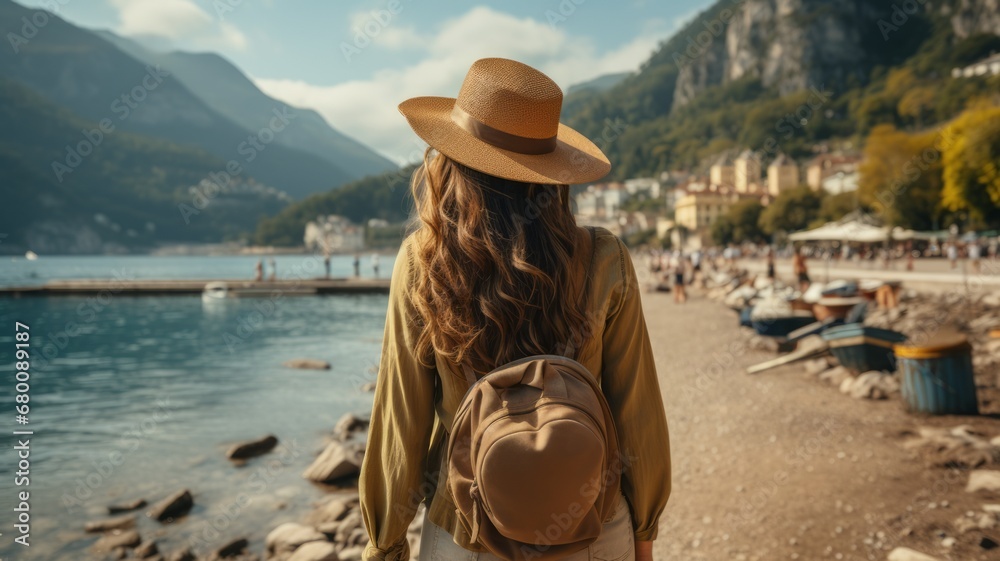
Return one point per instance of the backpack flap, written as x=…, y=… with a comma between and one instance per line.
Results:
x=533, y=459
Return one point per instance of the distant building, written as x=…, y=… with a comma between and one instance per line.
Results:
x=601, y=201
x=782, y=175
x=989, y=65
x=723, y=172
x=334, y=234
x=699, y=210
x=841, y=182
x=747, y=177
x=826, y=166
x=643, y=187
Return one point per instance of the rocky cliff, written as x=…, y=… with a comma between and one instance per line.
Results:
x=790, y=45
x=976, y=16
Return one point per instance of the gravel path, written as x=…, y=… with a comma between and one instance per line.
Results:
x=781, y=466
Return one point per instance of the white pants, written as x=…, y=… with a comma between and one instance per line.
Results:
x=616, y=542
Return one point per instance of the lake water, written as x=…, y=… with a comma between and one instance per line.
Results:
x=136, y=397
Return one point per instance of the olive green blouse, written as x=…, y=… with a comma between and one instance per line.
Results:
x=414, y=404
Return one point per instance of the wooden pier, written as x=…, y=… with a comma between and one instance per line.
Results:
x=237, y=288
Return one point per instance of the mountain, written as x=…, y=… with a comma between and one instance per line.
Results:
x=599, y=84
x=385, y=196
x=229, y=92
x=86, y=74
x=781, y=76
x=130, y=192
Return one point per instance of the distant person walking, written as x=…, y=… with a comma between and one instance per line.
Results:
x=259, y=271
x=953, y=254
x=326, y=263
x=770, y=264
x=975, y=254
x=274, y=270
x=680, y=271
x=801, y=269
x=375, y=264
x=357, y=265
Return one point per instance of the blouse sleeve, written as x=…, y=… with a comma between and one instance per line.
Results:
x=399, y=436
x=630, y=384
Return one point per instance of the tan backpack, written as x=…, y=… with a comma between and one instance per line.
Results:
x=533, y=461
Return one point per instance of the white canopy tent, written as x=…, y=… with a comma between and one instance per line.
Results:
x=843, y=232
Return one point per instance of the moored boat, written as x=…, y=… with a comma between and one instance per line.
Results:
x=861, y=348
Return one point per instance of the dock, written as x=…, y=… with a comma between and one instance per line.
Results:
x=238, y=287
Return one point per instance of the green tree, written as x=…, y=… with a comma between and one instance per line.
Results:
x=739, y=224
x=792, y=210
x=971, y=160
x=901, y=177
x=834, y=207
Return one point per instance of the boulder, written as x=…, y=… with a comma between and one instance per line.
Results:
x=126, y=507
x=252, y=448
x=145, y=549
x=335, y=462
x=351, y=554
x=172, y=507
x=906, y=554
x=835, y=375
x=983, y=479
x=315, y=551
x=307, y=364
x=182, y=555
x=108, y=524
x=347, y=527
x=232, y=548
x=817, y=365
x=288, y=537
x=333, y=510
x=348, y=424
x=119, y=538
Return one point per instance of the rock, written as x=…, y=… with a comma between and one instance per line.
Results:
x=995, y=509
x=333, y=510
x=335, y=462
x=315, y=551
x=987, y=543
x=108, y=524
x=368, y=387
x=345, y=530
x=288, y=537
x=307, y=364
x=182, y=555
x=126, y=507
x=964, y=524
x=816, y=366
x=145, y=549
x=351, y=553
x=119, y=538
x=983, y=479
x=348, y=424
x=835, y=375
x=172, y=507
x=233, y=548
x=870, y=385
x=986, y=521
x=358, y=536
x=906, y=554
x=252, y=448
x=948, y=542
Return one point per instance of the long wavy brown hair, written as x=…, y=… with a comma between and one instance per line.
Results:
x=494, y=259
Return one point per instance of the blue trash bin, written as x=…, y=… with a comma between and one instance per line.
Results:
x=938, y=377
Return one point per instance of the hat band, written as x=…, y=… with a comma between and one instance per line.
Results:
x=500, y=139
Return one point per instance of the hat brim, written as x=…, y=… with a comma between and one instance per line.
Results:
x=575, y=160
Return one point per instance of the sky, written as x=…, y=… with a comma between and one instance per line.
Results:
x=354, y=61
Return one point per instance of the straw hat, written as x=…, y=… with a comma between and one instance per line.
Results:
x=505, y=123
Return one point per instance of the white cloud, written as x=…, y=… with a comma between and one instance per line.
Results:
x=176, y=20
x=366, y=109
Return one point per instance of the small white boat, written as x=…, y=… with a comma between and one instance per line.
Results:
x=31, y=255
x=215, y=291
